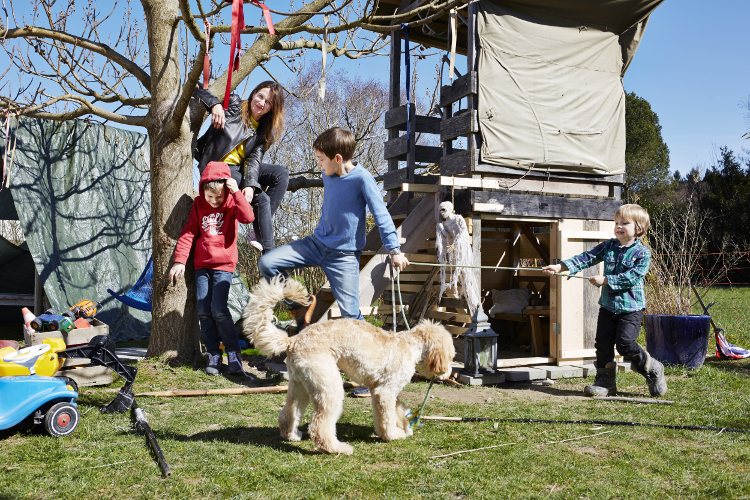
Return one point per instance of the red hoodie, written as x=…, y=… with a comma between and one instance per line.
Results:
x=214, y=230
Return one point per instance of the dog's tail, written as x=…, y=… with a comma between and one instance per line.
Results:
x=258, y=314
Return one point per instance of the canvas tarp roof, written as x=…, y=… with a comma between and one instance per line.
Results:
x=82, y=192
x=550, y=81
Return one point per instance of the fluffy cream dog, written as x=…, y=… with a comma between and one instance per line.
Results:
x=383, y=361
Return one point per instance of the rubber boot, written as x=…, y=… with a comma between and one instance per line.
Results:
x=653, y=372
x=214, y=364
x=235, y=363
x=605, y=383
x=303, y=315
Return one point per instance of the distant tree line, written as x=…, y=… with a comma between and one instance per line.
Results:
x=719, y=195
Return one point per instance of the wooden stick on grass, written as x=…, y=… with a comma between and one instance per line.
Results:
x=635, y=400
x=216, y=392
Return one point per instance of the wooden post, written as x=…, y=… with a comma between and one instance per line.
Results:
x=38, y=294
x=394, y=99
x=472, y=141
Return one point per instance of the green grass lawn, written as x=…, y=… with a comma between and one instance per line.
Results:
x=731, y=312
x=230, y=447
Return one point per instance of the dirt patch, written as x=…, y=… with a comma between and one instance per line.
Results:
x=495, y=395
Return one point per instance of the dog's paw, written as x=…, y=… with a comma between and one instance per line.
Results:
x=294, y=436
x=342, y=449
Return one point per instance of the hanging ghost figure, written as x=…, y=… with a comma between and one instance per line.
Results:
x=453, y=247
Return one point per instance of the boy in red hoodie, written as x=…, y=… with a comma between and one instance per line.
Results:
x=213, y=228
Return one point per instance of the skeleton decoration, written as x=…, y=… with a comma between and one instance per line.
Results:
x=453, y=247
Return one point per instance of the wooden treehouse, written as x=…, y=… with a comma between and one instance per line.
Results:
x=540, y=108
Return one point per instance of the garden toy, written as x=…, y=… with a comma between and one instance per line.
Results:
x=84, y=309
x=52, y=323
x=724, y=349
x=42, y=359
x=37, y=399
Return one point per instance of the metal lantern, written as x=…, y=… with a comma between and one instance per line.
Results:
x=480, y=349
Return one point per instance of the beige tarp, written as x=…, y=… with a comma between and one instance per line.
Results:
x=550, y=81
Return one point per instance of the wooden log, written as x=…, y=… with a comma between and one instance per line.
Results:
x=393, y=180
x=215, y=392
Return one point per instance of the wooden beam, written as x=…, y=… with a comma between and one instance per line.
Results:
x=394, y=179
x=543, y=253
x=17, y=299
x=421, y=188
x=460, y=125
x=543, y=206
x=459, y=162
x=396, y=118
x=462, y=87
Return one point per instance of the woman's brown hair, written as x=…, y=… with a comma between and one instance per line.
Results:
x=271, y=124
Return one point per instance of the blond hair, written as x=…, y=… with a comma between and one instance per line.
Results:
x=637, y=214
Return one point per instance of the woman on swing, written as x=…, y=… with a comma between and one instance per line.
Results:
x=239, y=138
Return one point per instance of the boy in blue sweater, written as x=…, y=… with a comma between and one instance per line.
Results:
x=336, y=244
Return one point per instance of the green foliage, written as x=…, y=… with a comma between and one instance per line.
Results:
x=649, y=179
x=726, y=195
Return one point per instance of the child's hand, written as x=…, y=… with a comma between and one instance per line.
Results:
x=218, y=119
x=598, y=280
x=231, y=184
x=399, y=261
x=177, y=272
x=552, y=269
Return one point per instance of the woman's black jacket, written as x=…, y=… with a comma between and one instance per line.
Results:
x=216, y=143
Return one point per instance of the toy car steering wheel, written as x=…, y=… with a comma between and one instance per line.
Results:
x=27, y=356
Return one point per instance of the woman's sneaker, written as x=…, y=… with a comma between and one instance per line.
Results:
x=253, y=240
x=214, y=364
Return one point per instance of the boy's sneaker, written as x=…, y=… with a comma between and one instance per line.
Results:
x=303, y=315
x=605, y=382
x=214, y=364
x=253, y=240
x=235, y=363
x=653, y=372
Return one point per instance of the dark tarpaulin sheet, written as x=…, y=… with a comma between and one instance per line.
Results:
x=83, y=196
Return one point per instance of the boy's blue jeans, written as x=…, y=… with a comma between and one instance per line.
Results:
x=212, y=289
x=341, y=268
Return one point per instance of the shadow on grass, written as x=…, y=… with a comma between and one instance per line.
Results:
x=270, y=437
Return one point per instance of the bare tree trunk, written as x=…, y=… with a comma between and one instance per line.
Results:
x=174, y=330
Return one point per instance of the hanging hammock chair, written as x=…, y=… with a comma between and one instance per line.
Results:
x=139, y=297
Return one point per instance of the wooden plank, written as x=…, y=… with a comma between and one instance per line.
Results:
x=510, y=172
x=74, y=337
x=462, y=87
x=394, y=98
x=578, y=353
x=17, y=299
x=396, y=119
x=38, y=294
x=460, y=125
x=533, y=360
x=586, y=235
x=509, y=203
x=421, y=188
x=393, y=148
x=459, y=162
x=456, y=317
x=591, y=294
x=543, y=253
x=537, y=344
x=393, y=180
x=456, y=330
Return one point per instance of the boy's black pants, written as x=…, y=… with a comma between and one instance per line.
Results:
x=619, y=330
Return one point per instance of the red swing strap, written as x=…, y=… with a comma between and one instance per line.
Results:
x=238, y=24
x=207, y=57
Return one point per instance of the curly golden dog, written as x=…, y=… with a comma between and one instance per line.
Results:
x=380, y=360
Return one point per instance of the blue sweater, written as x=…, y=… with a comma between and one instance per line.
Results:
x=344, y=215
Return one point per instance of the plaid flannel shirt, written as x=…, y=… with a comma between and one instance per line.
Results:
x=625, y=269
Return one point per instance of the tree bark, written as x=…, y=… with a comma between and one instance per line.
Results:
x=174, y=329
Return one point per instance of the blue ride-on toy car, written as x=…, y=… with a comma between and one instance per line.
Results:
x=36, y=399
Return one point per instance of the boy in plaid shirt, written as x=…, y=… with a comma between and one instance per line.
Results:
x=623, y=300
